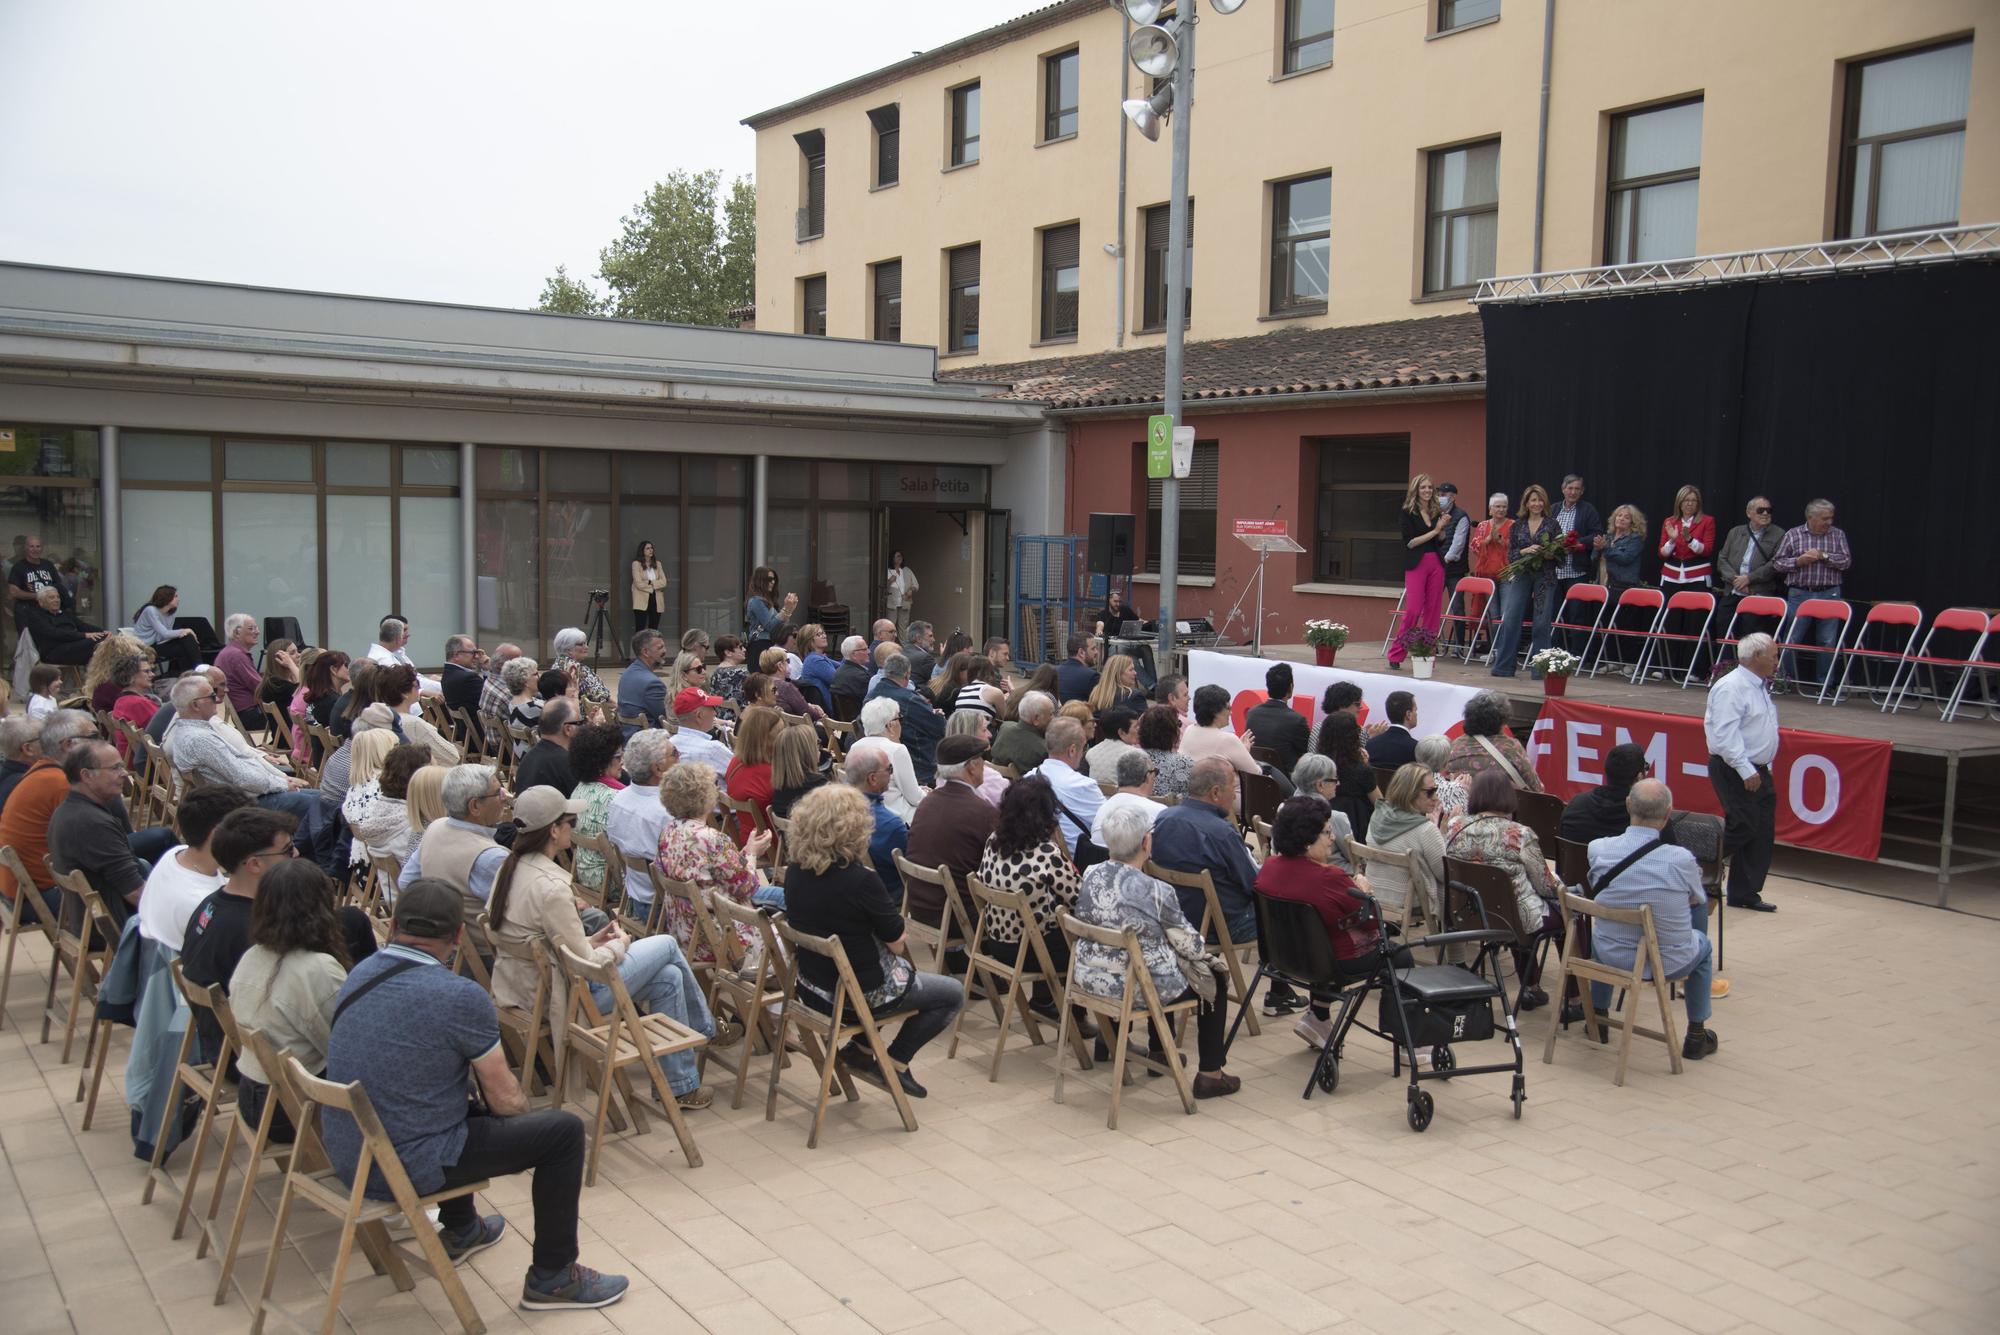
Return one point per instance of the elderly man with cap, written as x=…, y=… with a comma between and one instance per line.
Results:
x=1599, y=813
x=951, y=825
x=695, y=739
x=416, y=1034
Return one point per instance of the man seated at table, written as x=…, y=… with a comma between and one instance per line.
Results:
x=1667, y=879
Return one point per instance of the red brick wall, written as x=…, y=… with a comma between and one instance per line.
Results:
x=1266, y=462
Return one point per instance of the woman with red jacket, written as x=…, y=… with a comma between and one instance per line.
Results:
x=1687, y=561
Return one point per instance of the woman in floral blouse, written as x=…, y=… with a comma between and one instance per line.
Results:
x=694, y=851
x=1487, y=745
x=1488, y=833
x=596, y=756
x=571, y=647
x=1026, y=855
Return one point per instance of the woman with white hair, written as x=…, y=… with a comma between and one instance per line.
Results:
x=1489, y=552
x=1432, y=752
x=571, y=647
x=978, y=723
x=1318, y=776
x=524, y=705
x=882, y=727
x=1119, y=894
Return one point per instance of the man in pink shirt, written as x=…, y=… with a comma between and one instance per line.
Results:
x=240, y=675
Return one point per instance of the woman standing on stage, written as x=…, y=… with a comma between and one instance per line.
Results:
x=1489, y=553
x=1424, y=527
x=1531, y=592
x=649, y=589
x=1687, y=563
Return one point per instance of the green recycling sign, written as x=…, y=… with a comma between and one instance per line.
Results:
x=1160, y=446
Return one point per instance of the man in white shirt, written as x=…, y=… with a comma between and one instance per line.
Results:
x=635, y=818
x=389, y=648
x=1741, y=725
x=1077, y=794
x=694, y=738
x=1135, y=789
x=188, y=873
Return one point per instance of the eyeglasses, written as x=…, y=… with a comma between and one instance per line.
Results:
x=1760, y=509
x=1430, y=792
x=288, y=851
x=571, y=726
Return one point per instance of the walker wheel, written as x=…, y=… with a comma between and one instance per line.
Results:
x=1421, y=1108
x=1328, y=1074
x=1520, y=1096
x=1441, y=1058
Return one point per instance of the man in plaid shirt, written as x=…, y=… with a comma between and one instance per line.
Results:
x=1813, y=557
x=494, y=697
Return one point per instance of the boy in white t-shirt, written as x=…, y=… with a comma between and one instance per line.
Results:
x=43, y=680
x=187, y=874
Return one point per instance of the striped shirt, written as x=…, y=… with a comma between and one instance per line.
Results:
x=1814, y=574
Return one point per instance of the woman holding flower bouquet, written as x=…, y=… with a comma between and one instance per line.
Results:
x=1424, y=529
x=1535, y=549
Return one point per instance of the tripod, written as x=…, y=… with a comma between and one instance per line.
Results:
x=596, y=622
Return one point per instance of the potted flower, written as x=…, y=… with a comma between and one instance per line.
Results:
x=1557, y=666
x=1325, y=637
x=1421, y=645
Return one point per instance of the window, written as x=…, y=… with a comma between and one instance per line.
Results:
x=888, y=326
x=1154, y=312
x=1062, y=274
x=1197, y=513
x=1301, y=213
x=965, y=125
x=1654, y=184
x=1462, y=218
x=812, y=305
x=962, y=296
x=1357, y=527
x=1308, y=34
x=812, y=156
x=1464, y=13
x=888, y=123
x=1059, y=94
x=1904, y=141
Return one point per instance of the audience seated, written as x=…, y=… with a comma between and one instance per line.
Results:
x=696, y=735
x=979, y=725
x=396, y=687
x=850, y=679
x=188, y=873
x=24, y=823
x=1406, y=821
x=1396, y=745
x=730, y=668
x=1020, y=744
x=774, y=665
x=381, y=825
x=60, y=635
x=1076, y=676
x=1026, y=855
x=20, y=748
x=641, y=692
x=1317, y=776
x=1117, y=686
x=1077, y=796
x=391, y=649
x=132, y=679
x=366, y=754
x=795, y=768
x=881, y=723
x=1600, y=812
x=919, y=646
x=1432, y=753
x=635, y=817
x=1210, y=735
x=867, y=771
x=463, y=683
x=495, y=695
x=817, y=669
x=1275, y=723
x=204, y=747
x=460, y=850
x=90, y=831
x=923, y=726
x=1200, y=835
x=1134, y=781
x=694, y=851
x=1488, y=833
x=1160, y=731
x=546, y=763
x=285, y=983
x=597, y=758
x=1117, y=737
x=1339, y=738
x=1487, y=745
x=951, y=825
x=239, y=674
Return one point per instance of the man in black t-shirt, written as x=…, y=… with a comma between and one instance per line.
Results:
x=30, y=574
x=248, y=843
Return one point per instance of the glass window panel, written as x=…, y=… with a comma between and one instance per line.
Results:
x=157, y=522
x=1375, y=560
x=1309, y=270
x=358, y=595
x=1308, y=34
x=843, y=481
x=1666, y=221
x=789, y=479
x=507, y=545
x=270, y=558
x=787, y=544
x=578, y=547
x=50, y=451
x=1475, y=243
x=147, y=456
x=267, y=461
x=66, y=520
x=584, y=471
x=1434, y=256
x=709, y=476
x=1361, y=510
x=716, y=542
x=1910, y=92
x=355, y=464
x=649, y=474
x=1653, y=142
x=1308, y=206
x=1864, y=172
x=433, y=571
x=1466, y=178
x=1458, y=13
x=844, y=564
x=642, y=521
x=1919, y=182
x=499, y=468
x=426, y=467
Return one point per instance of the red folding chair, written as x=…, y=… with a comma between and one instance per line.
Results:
x=1460, y=599
x=1755, y=605
x=1687, y=600
x=1817, y=610
x=1952, y=621
x=1889, y=617
x=1650, y=601
x=1586, y=594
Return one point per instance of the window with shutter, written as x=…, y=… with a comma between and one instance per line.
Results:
x=888, y=123
x=1197, y=512
x=812, y=306
x=1154, y=311
x=812, y=216
x=962, y=296
x=965, y=125
x=889, y=302
x=1061, y=278
x=1059, y=94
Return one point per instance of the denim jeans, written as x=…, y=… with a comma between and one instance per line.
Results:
x=657, y=974
x=1697, y=981
x=769, y=897
x=1809, y=668
x=1518, y=597
x=548, y=1141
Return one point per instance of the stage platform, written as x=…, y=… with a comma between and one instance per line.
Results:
x=1941, y=830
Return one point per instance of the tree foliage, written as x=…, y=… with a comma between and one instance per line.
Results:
x=686, y=254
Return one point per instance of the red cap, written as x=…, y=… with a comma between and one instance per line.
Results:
x=692, y=698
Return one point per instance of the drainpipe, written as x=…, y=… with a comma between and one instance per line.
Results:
x=1124, y=129
x=1542, y=133
x=760, y=494
x=468, y=537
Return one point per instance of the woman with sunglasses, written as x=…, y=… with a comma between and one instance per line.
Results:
x=1405, y=821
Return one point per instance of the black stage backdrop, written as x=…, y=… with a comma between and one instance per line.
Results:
x=1880, y=392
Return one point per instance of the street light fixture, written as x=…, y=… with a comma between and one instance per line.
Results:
x=1143, y=12
x=1148, y=113
x=1154, y=50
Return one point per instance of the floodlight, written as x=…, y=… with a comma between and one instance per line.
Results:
x=1154, y=51
x=1225, y=6
x=1142, y=12
x=1147, y=113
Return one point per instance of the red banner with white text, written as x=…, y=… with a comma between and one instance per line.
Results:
x=1830, y=788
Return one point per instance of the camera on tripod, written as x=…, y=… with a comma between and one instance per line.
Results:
x=600, y=596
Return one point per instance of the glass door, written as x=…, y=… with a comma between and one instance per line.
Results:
x=999, y=529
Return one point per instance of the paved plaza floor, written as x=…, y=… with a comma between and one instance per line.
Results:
x=1831, y=1169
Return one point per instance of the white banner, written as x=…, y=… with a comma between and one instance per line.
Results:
x=1440, y=705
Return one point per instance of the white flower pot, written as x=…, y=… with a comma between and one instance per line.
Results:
x=1420, y=668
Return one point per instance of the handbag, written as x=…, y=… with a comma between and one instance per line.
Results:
x=1088, y=853
x=1486, y=744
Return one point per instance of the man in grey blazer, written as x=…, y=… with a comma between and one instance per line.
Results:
x=1744, y=567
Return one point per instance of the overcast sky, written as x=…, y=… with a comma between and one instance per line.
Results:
x=432, y=149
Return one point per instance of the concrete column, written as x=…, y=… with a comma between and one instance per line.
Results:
x=111, y=552
x=468, y=533
x=760, y=507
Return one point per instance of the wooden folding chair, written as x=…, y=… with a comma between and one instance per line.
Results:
x=656, y=911
x=310, y=1179
x=954, y=923
x=378, y=890
x=85, y=965
x=1542, y=813
x=527, y=1031
x=25, y=911
x=1646, y=972
x=471, y=738
x=839, y=736
x=1031, y=965
x=820, y=1033
x=1214, y=929
x=206, y=1080
x=1392, y=876
x=751, y=989
x=597, y=896
x=608, y=1045
x=1116, y=1015
x=281, y=727
x=260, y=1148
x=97, y=942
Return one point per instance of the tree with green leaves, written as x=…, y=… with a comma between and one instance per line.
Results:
x=685, y=255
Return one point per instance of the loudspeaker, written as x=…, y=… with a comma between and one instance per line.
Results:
x=1111, y=545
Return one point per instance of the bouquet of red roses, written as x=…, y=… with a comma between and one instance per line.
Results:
x=1550, y=549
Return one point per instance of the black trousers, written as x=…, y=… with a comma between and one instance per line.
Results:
x=649, y=619
x=1750, y=828
x=177, y=655
x=549, y=1143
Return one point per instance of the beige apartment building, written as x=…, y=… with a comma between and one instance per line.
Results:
x=1357, y=161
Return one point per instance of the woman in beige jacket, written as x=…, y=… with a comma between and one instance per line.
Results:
x=533, y=900
x=649, y=589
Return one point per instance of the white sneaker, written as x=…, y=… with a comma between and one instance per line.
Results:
x=1313, y=1030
